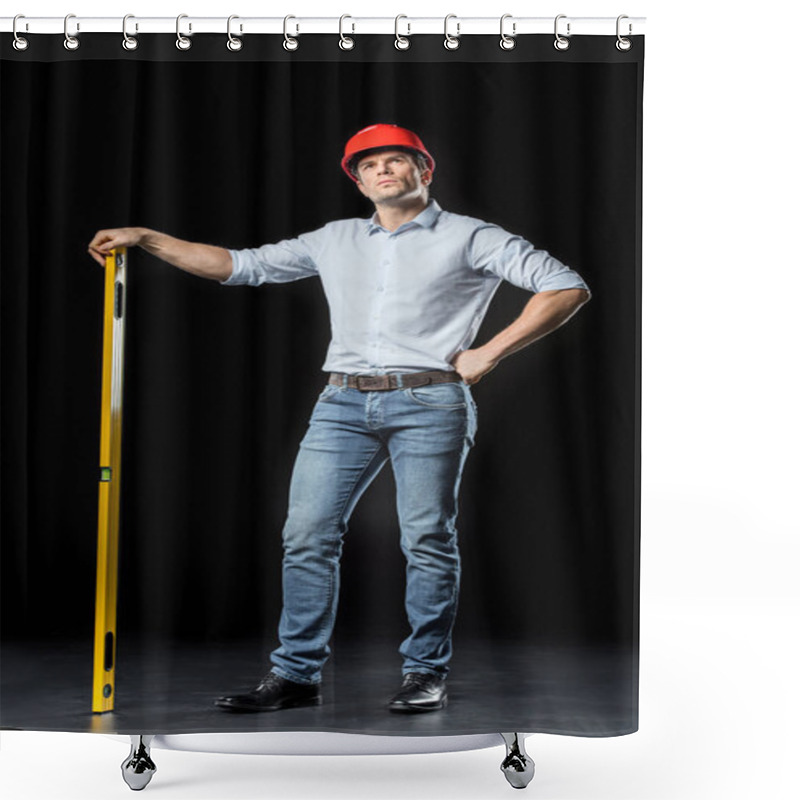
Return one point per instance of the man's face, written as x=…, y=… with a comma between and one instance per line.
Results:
x=391, y=177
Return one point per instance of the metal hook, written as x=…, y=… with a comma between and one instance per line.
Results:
x=401, y=42
x=182, y=42
x=507, y=42
x=452, y=42
x=233, y=44
x=346, y=42
x=20, y=42
x=129, y=42
x=71, y=42
x=561, y=43
x=290, y=43
x=622, y=43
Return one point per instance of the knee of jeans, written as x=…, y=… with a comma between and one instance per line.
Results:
x=308, y=531
x=432, y=546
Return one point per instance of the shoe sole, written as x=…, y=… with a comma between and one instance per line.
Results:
x=244, y=708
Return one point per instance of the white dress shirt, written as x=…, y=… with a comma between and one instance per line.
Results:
x=406, y=300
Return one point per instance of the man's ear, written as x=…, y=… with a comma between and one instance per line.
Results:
x=427, y=176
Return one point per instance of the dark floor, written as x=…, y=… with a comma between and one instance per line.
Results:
x=168, y=688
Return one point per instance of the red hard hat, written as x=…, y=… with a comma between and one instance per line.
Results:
x=384, y=136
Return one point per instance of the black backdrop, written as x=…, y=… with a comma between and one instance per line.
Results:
x=241, y=149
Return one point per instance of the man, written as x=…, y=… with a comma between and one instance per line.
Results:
x=407, y=291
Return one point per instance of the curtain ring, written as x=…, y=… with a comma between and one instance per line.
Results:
x=507, y=42
x=182, y=42
x=288, y=42
x=71, y=42
x=622, y=43
x=346, y=42
x=401, y=42
x=233, y=43
x=451, y=42
x=129, y=42
x=20, y=42
x=561, y=42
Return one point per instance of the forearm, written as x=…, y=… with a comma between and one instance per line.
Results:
x=204, y=260
x=543, y=313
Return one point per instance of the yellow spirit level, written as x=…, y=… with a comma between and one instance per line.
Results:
x=105, y=626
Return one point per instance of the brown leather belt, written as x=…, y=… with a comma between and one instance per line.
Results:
x=395, y=380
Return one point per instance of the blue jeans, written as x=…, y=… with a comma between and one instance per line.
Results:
x=426, y=432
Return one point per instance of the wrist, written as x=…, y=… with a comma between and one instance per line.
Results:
x=490, y=353
x=143, y=236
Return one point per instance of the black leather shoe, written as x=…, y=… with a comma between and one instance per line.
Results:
x=272, y=694
x=421, y=691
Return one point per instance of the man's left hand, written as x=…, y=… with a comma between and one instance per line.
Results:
x=472, y=365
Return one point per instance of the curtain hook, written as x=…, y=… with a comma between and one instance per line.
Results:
x=20, y=42
x=622, y=43
x=129, y=42
x=346, y=42
x=288, y=42
x=182, y=42
x=71, y=42
x=233, y=44
x=401, y=42
x=507, y=42
x=452, y=42
x=561, y=42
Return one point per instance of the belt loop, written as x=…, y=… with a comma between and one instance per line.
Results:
x=399, y=380
x=345, y=380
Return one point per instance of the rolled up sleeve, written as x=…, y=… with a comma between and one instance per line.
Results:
x=495, y=251
x=282, y=262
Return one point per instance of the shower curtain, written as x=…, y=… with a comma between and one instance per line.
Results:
x=239, y=148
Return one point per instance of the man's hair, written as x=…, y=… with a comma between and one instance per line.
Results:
x=420, y=159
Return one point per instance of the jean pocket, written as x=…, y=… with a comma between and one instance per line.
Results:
x=330, y=392
x=439, y=395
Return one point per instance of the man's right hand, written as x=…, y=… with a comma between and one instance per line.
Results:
x=104, y=241
x=204, y=260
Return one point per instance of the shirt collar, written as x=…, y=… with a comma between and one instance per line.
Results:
x=425, y=219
